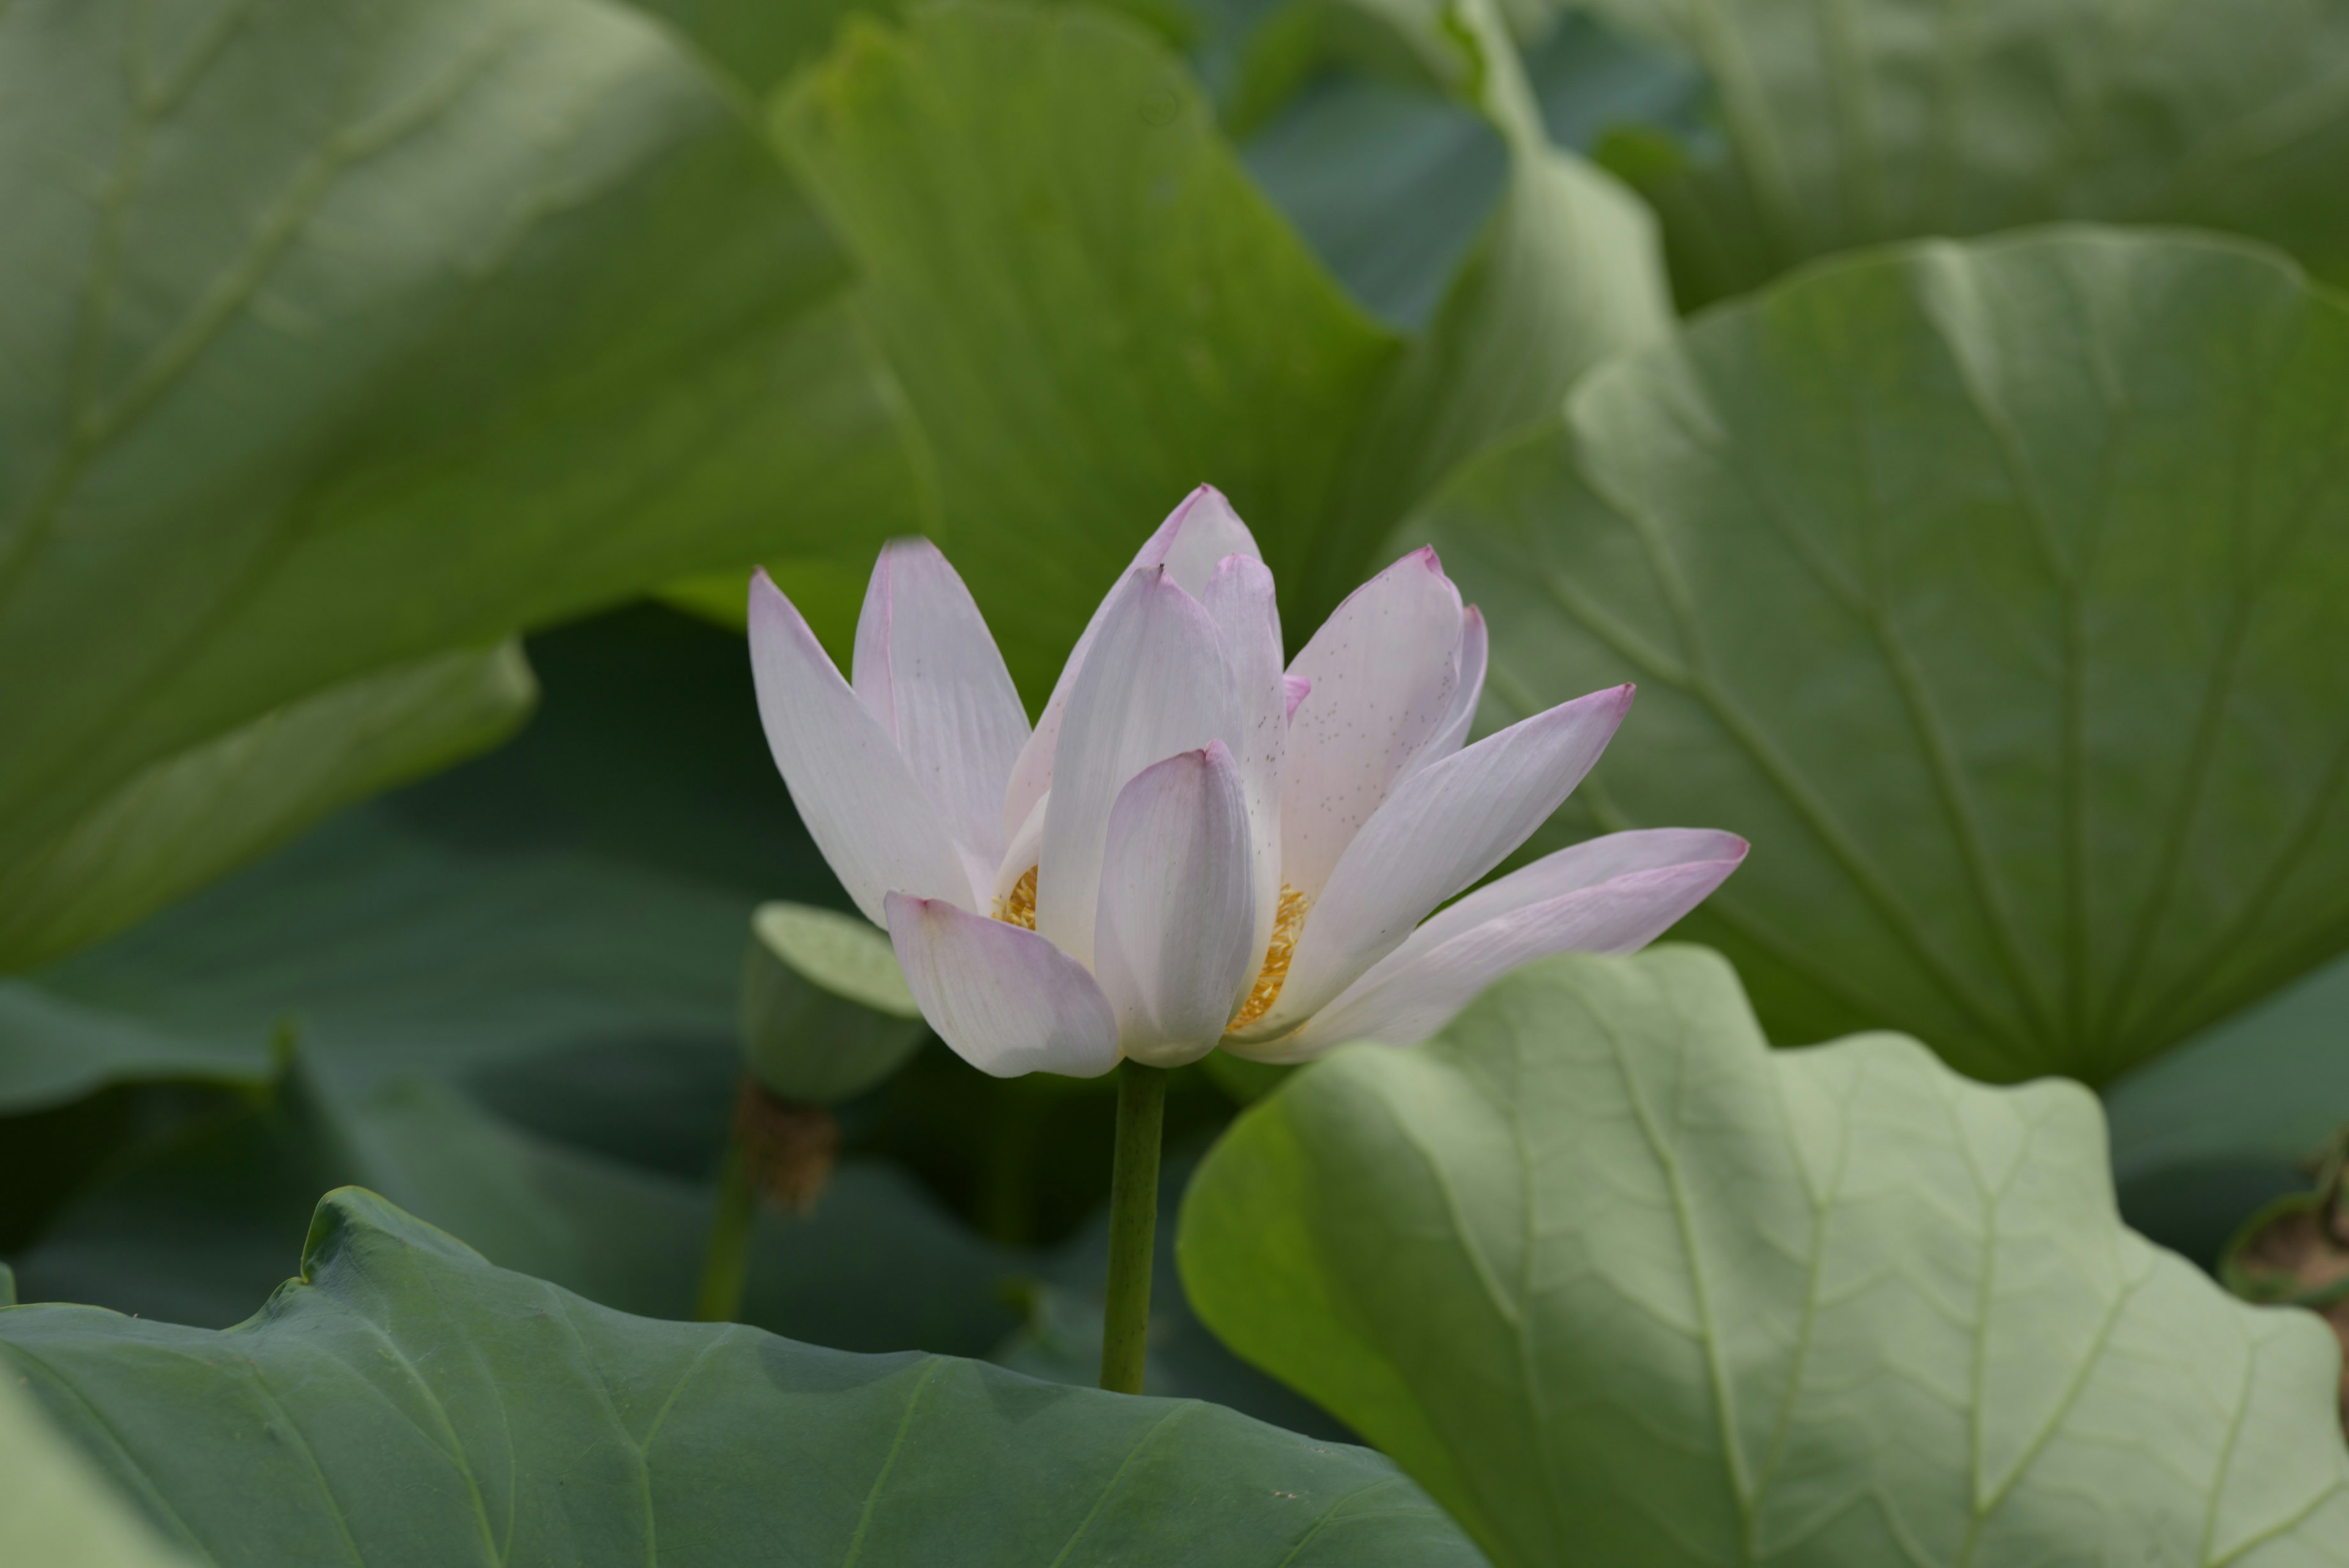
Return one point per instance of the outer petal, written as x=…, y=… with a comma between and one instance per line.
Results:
x=929, y=670
x=1446, y=825
x=878, y=829
x=1008, y=1001
x=1156, y=683
x=1199, y=533
x=1239, y=600
x=1383, y=668
x=1173, y=947
x=1465, y=696
x=1414, y=991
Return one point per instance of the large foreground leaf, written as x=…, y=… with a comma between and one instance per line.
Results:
x=1621, y=1285
x=341, y=334
x=1868, y=120
x=404, y=1402
x=1993, y=591
x=55, y=1512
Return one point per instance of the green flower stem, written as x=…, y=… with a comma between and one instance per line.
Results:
x=1132, y=1225
x=726, y=1264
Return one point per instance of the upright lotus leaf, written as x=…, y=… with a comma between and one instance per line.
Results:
x=1869, y=120
x=1566, y=272
x=342, y=333
x=1091, y=308
x=55, y=1511
x=403, y=1402
x=1994, y=592
x=825, y=1014
x=1620, y=1284
x=184, y=821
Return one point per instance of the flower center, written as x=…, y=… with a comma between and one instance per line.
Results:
x=1285, y=925
x=1019, y=907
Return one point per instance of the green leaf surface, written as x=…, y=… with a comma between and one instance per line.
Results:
x=1566, y=272
x=184, y=821
x=1871, y=120
x=1993, y=591
x=1620, y=1284
x=584, y=890
x=404, y=1402
x=195, y=1232
x=343, y=334
x=55, y=1511
x=1091, y=308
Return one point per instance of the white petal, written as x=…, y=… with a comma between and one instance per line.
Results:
x=1026, y=850
x=1173, y=945
x=1298, y=689
x=1415, y=991
x=1008, y=1001
x=878, y=830
x=1239, y=600
x=1383, y=669
x=1569, y=870
x=1446, y=825
x=1155, y=682
x=1199, y=533
x=1470, y=662
x=930, y=672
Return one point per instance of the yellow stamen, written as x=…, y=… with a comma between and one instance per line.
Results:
x=1019, y=908
x=1285, y=925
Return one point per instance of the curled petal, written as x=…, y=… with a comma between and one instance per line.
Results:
x=1173, y=944
x=1446, y=826
x=1156, y=683
x=1198, y=535
x=931, y=674
x=878, y=829
x=1417, y=988
x=1006, y=1000
x=1383, y=671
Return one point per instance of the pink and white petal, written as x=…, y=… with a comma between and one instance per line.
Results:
x=878, y=830
x=1239, y=600
x=1171, y=946
x=1196, y=535
x=1006, y=1000
x=1383, y=669
x=1298, y=689
x=1419, y=987
x=1155, y=682
x=1465, y=696
x=929, y=670
x=1446, y=826
x=1580, y=866
x=1026, y=848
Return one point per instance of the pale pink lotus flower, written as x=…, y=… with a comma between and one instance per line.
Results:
x=1194, y=848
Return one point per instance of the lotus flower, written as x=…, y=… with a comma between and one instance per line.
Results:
x=1194, y=848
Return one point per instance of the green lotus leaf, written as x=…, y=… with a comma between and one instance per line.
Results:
x=1993, y=591
x=1874, y=120
x=404, y=1402
x=184, y=821
x=342, y=335
x=1620, y=1284
x=55, y=1511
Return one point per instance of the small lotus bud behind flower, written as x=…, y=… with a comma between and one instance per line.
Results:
x=826, y=1016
